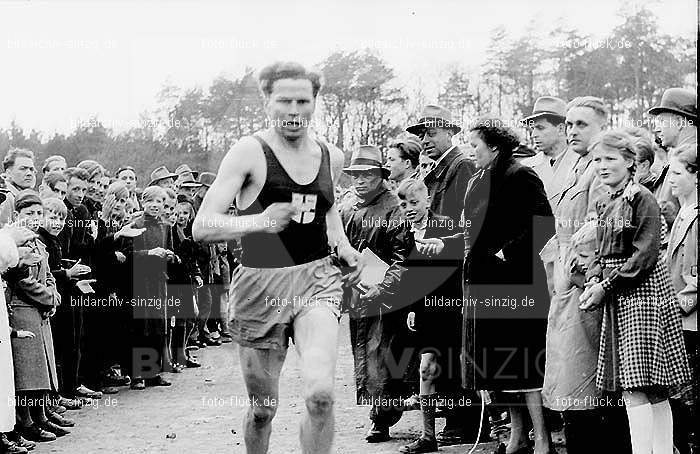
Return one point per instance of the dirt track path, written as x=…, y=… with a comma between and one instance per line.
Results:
x=204, y=409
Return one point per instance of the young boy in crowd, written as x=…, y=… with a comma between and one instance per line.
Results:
x=32, y=298
x=152, y=251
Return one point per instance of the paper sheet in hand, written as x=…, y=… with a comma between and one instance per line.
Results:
x=374, y=269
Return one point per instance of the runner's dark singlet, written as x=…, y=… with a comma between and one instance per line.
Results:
x=304, y=239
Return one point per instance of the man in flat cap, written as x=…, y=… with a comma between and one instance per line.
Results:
x=675, y=123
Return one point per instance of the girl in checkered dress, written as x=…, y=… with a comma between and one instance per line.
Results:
x=641, y=346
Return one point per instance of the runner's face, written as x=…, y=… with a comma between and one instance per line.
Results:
x=290, y=107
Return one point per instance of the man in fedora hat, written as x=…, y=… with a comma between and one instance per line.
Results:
x=186, y=184
x=447, y=184
x=447, y=181
x=675, y=123
x=162, y=177
x=282, y=180
x=553, y=160
x=376, y=323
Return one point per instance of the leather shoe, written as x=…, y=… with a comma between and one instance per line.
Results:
x=210, y=342
x=10, y=447
x=36, y=433
x=451, y=437
x=20, y=441
x=59, y=420
x=377, y=434
x=138, y=384
x=84, y=391
x=70, y=404
x=192, y=363
x=54, y=428
x=419, y=446
x=158, y=381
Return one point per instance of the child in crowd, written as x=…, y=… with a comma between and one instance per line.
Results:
x=32, y=297
x=152, y=251
x=434, y=273
x=641, y=346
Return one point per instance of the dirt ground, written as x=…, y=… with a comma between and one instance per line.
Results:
x=203, y=411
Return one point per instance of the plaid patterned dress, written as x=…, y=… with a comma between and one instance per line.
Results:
x=641, y=341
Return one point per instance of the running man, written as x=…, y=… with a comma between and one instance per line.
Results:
x=287, y=286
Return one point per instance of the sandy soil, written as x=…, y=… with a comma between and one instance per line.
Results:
x=203, y=412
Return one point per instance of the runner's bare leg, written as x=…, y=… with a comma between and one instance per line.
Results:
x=316, y=341
x=261, y=372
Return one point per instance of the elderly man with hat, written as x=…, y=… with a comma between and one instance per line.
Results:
x=163, y=177
x=675, y=123
x=377, y=324
x=554, y=160
x=447, y=185
x=447, y=181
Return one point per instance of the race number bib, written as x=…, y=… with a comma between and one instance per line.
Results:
x=306, y=205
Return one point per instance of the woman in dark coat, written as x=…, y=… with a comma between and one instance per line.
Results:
x=507, y=222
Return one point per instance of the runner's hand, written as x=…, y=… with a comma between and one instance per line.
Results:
x=276, y=217
x=351, y=258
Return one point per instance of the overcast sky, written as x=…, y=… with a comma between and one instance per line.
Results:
x=63, y=62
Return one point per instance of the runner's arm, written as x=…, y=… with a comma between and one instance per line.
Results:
x=213, y=223
x=334, y=226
